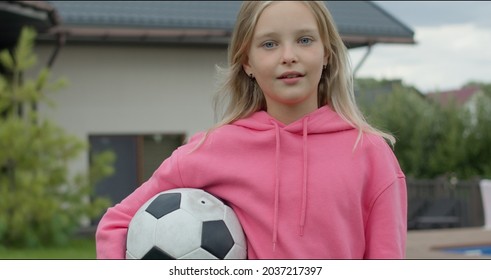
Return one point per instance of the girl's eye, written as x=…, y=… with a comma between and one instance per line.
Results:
x=305, y=40
x=269, y=45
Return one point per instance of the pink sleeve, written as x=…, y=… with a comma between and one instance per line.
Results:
x=386, y=228
x=112, y=228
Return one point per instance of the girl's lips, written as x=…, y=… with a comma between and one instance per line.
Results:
x=291, y=81
x=290, y=75
x=290, y=78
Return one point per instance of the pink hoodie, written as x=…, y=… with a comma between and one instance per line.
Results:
x=301, y=191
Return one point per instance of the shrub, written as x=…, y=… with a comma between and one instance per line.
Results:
x=41, y=201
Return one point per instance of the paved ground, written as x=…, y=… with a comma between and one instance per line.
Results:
x=424, y=244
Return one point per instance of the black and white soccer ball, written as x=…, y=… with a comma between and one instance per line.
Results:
x=185, y=223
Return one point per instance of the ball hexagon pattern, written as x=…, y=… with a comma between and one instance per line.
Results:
x=185, y=223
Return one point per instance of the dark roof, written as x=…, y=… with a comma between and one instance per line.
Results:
x=15, y=14
x=363, y=22
x=360, y=22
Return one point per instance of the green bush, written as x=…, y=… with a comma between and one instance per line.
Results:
x=433, y=140
x=41, y=202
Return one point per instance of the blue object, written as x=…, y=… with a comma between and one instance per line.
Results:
x=470, y=250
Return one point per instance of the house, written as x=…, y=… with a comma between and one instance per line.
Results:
x=467, y=97
x=142, y=73
x=15, y=14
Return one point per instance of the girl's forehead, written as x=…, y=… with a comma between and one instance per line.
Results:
x=282, y=15
x=282, y=9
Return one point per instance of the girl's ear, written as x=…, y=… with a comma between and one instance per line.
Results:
x=247, y=67
x=326, y=56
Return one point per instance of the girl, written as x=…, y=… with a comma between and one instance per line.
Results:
x=306, y=175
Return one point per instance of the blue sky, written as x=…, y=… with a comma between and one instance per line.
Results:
x=453, y=45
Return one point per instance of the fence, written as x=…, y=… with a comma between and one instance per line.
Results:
x=444, y=202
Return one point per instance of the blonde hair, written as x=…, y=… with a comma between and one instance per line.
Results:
x=240, y=97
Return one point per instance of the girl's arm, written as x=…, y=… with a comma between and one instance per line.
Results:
x=386, y=228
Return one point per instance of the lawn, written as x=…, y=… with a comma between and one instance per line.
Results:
x=77, y=249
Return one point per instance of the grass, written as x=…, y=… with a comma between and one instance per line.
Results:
x=77, y=249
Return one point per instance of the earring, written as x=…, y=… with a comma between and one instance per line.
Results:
x=252, y=84
x=324, y=67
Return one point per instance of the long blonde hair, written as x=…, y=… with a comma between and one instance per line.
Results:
x=238, y=96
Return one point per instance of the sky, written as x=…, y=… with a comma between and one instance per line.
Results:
x=453, y=45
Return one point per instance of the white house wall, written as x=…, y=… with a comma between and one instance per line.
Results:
x=129, y=89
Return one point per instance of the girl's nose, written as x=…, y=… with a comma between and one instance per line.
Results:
x=289, y=55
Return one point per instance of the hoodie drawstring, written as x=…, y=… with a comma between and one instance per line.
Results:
x=277, y=185
x=303, y=211
x=305, y=173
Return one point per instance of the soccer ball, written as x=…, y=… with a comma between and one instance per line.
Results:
x=185, y=223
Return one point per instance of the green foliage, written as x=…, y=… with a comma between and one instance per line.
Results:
x=76, y=249
x=478, y=137
x=433, y=140
x=41, y=202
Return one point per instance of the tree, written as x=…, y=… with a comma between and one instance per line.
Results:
x=432, y=139
x=407, y=116
x=478, y=139
x=41, y=203
x=448, y=138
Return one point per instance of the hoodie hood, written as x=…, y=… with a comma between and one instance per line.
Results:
x=321, y=121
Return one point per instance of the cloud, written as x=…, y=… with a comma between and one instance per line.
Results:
x=445, y=57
